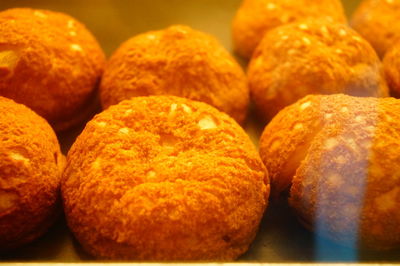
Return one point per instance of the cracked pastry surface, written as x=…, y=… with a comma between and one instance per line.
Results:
x=255, y=18
x=312, y=57
x=176, y=61
x=31, y=164
x=339, y=157
x=51, y=63
x=164, y=178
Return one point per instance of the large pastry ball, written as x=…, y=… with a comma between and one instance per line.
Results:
x=49, y=62
x=164, y=178
x=176, y=61
x=339, y=157
x=256, y=17
x=378, y=22
x=31, y=164
x=312, y=57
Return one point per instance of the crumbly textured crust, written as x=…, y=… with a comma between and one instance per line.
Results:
x=378, y=22
x=312, y=57
x=256, y=17
x=30, y=170
x=49, y=62
x=164, y=178
x=341, y=157
x=391, y=65
x=176, y=61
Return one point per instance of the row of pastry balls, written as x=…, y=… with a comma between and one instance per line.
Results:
x=375, y=20
x=151, y=178
x=158, y=178
x=64, y=64
x=194, y=168
x=52, y=63
x=335, y=155
x=168, y=178
x=304, y=47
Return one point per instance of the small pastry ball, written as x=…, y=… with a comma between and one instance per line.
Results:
x=50, y=62
x=164, y=178
x=312, y=57
x=30, y=170
x=340, y=157
x=391, y=64
x=176, y=61
x=378, y=22
x=256, y=17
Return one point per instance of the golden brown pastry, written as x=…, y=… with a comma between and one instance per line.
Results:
x=391, y=64
x=339, y=157
x=30, y=170
x=49, y=62
x=312, y=57
x=378, y=22
x=256, y=17
x=164, y=178
x=176, y=61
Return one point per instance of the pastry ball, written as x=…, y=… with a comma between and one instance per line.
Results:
x=339, y=157
x=312, y=57
x=378, y=22
x=51, y=63
x=31, y=164
x=391, y=63
x=164, y=178
x=256, y=17
x=176, y=61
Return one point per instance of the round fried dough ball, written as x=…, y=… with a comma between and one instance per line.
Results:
x=50, y=62
x=256, y=17
x=176, y=61
x=340, y=157
x=378, y=22
x=30, y=170
x=312, y=57
x=391, y=64
x=164, y=178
